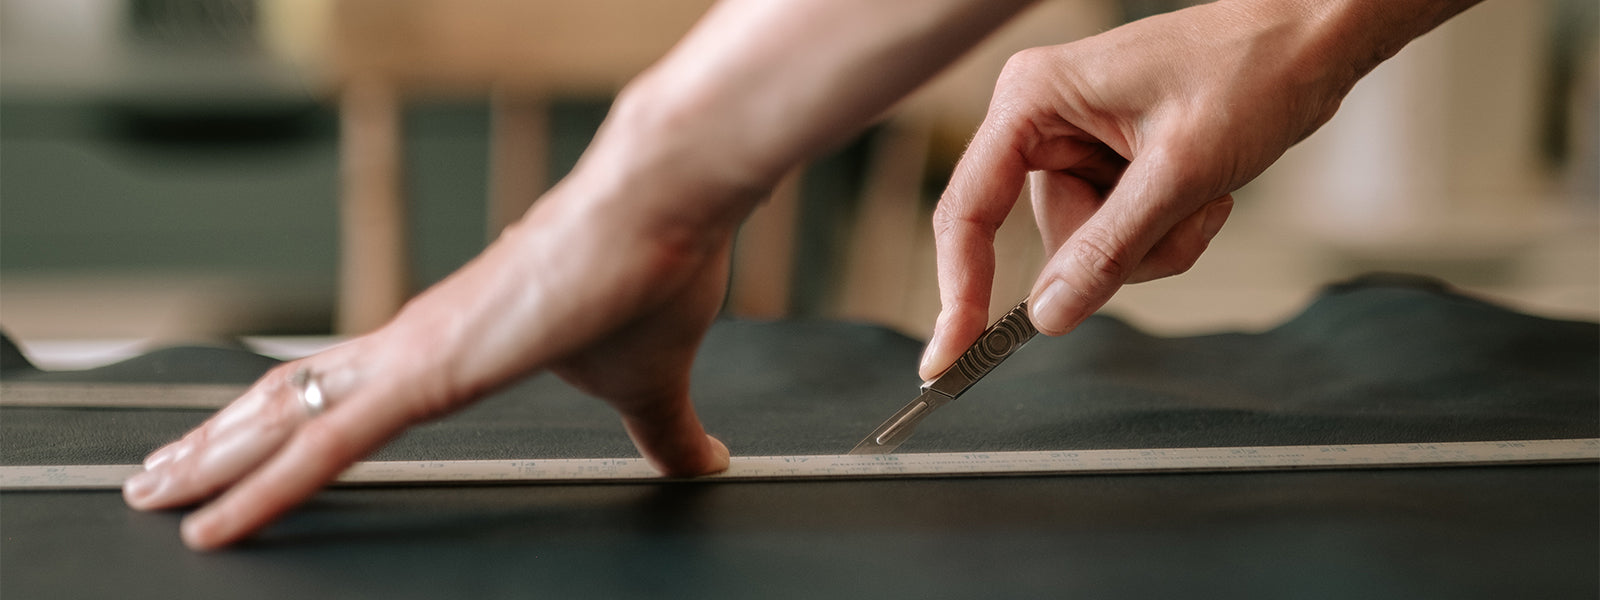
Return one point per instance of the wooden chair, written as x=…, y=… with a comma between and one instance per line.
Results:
x=520, y=53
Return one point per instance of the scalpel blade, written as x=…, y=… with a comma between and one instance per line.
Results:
x=899, y=427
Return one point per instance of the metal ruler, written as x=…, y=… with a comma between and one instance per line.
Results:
x=974, y=464
x=761, y=468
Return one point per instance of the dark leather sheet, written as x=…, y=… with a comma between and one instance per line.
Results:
x=1378, y=360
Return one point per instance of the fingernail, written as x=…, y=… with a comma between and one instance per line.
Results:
x=199, y=531
x=928, y=354
x=719, y=450
x=1052, y=310
x=140, y=490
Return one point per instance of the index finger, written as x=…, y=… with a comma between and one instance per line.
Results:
x=982, y=191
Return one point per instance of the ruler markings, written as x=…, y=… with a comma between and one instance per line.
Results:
x=755, y=468
x=953, y=464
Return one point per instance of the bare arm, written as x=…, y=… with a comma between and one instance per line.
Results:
x=759, y=85
x=610, y=281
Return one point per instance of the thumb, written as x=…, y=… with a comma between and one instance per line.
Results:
x=1106, y=251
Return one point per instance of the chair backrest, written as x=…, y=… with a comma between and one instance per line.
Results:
x=551, y=46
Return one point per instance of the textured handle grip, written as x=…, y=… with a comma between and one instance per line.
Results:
x=997, y=342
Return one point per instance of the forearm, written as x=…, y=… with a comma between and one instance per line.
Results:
x=1348, y=38
x=761, y=85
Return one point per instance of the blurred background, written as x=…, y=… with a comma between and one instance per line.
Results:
x=187, y=170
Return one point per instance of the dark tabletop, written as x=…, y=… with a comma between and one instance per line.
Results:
x=1381, y=359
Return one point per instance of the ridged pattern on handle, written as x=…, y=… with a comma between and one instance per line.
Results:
x=999, y=341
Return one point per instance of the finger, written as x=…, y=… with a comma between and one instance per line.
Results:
x=657, y=352
x=663, y=425
x=982, y=190
x=671, y=437
x=1178, y=251
x=1102, y=254
x=221, y=450
x=1062, y=202
x=316, y=454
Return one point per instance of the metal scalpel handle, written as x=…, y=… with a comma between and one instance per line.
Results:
x=999, y=341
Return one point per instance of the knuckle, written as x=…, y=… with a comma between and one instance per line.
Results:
x=943, y=221
x=1024, y=76
x=1104, y=261
x=950, y=220
x=273, y=384
x=1024, y=63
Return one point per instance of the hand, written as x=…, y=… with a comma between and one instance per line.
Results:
x=1132, y=142
x=610, y=288
x=612, y=279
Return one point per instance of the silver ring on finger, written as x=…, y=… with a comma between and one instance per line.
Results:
x=308, y=391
